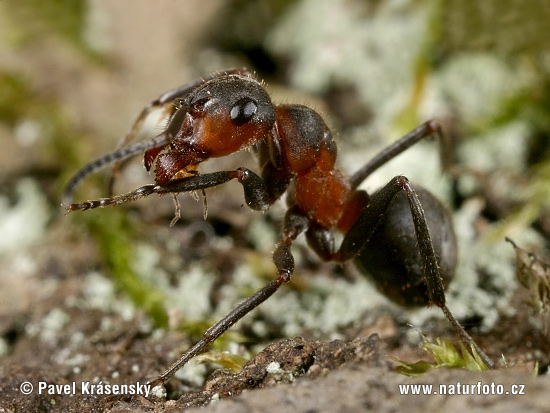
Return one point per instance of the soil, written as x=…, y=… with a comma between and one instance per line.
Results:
x=103, y=348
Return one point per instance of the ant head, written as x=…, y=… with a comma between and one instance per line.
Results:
x=225, y=115
x=216, y=118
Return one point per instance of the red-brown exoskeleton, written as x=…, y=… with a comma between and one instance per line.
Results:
x=401, y=237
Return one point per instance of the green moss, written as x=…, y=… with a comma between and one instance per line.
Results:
x=445, y=354
x=229, y=361
x=195, y=331
x=14, y=98
x=65, y=18
x=116, y=242
x=19, y=105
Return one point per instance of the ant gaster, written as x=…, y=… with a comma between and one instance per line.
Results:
x=401, y=237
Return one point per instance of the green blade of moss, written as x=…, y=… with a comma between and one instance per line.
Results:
x=412, y=369
x=233, y=362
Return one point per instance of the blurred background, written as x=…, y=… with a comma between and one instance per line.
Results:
x=75, y=74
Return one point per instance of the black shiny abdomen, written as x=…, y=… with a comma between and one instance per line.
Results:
x=391, y=258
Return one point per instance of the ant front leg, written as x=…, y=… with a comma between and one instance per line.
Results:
x=255, y=191
x=294, y=224
x=391, y=241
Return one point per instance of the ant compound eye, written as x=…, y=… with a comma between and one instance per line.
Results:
x=243, y=111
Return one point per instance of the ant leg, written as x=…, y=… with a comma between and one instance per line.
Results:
x=255, y=191
x=321, y=240
x=424, y=131
x=365, y=226
x=256, y=194
x=294, y=223
x=222, y=326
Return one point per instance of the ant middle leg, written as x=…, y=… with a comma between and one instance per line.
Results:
x=293, y=225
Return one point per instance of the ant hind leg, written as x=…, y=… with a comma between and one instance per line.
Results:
x=367, y=224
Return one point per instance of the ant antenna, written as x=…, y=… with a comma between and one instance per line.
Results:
x=119, y=154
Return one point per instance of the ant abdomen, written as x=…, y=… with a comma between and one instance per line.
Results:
x=391, y=259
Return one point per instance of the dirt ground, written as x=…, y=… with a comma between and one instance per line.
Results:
x=298, y=374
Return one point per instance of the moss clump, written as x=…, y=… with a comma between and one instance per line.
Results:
x=445, y=354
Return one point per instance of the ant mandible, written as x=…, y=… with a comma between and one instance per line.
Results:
x=399, y=236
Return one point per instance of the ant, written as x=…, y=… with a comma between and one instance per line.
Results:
x=400, y=236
